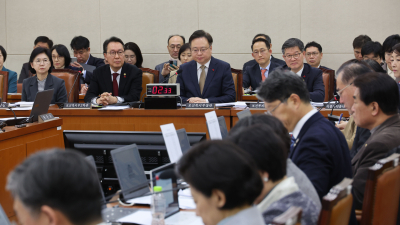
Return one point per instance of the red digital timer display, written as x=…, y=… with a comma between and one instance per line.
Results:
x=166, y=90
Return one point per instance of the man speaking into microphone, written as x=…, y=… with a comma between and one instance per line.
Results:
x=116, y=82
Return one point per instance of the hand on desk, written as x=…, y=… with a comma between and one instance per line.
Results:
x=196, y=100
x=107, y=99
x=341, y=125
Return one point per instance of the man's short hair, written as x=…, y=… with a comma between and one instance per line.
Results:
x=111, y=39
x=353, y=69
x=181, y=36
x=44, y=39
x=360, y=41
x=372, y=47
x=389, y=42
x=280, y=84
x=380, y=88
x=62, y=180
x=263, y=35
x=260, y=40
x=313, y=44
x=79, y=43
x=4, y=53
x=200, y=34
x=292, y=42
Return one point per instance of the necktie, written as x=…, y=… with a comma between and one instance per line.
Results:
x=115, y=84
x=292, y=141
x=262, y=74
x=202, y=80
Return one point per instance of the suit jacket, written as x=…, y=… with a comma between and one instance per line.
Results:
x=253, y=61
x=252, y=74
x=361, y=137
x=97, y=62
x=30, y=89
x=159, y=67
x=381, y=141
x=129, y=87
x=315, y=84
x=321, y=152
x=219, y=86
x=25, y=73
x=12, y=80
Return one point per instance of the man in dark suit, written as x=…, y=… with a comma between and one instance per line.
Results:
x=117, y=82
x=175, y=42
x=205, y=79
x=376, y=101
x=273, y=59
x=255, y=74
x=318, y=148
x=41, y=41
x=293, y=53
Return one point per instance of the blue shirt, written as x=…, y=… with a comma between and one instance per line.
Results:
x=12, y=80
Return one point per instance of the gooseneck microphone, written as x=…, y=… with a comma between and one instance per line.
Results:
x=176, y=74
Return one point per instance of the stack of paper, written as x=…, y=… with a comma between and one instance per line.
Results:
x=185, y=199
x=110, y=107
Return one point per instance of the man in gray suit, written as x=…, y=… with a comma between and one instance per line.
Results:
x=376, y=101
x=175, y=42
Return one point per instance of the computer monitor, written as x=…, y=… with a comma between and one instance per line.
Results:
x=41, y=104
x=183, y=140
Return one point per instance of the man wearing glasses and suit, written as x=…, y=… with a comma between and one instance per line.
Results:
x=205, y=79
x=117, y=82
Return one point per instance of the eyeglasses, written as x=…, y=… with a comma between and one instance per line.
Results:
x=202, y=50
x=120, y=53
x=312, y=54
x=295, y=56
x=130, y=56
x=175, y=46
x=44, y=61
x=262, y=51
x=271, y=111
x=57, y=57
x=340, y=92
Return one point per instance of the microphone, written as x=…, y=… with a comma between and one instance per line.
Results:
x=176, y=74
x=331, y=116
x=76, y=77
x=14, y=121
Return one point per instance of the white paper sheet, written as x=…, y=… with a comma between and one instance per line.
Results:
x=11, y=118
x=171, y=142
x=213, y=126
x=184, y=218
x=139, y=217
x=110, y=107
x=145, y=200
x=24, y=104
x=21, y=109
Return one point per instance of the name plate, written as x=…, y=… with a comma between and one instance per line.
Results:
x=3, y=105
x=77, y=106
x=200, y=105
x=332, y=105
x=46, y=117
x=257, y=106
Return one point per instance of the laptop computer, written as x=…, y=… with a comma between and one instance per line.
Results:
x=243, y=114
x=3, y=217
x=41, y=104
x=183, y=140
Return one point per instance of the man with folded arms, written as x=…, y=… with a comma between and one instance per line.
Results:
x=117, y=82
x=376, y=101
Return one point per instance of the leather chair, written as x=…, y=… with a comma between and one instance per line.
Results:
x=149, y=76
x=292, y=216
x=19, y=88
x=3, y=85
x=72, y=82
x=328, y=77
x=336, y=205
x=237, y=76
x=382, y=192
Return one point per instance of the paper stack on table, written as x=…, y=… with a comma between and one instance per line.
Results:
x=185, y=199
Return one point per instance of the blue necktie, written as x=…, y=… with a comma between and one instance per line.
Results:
x=292, y=141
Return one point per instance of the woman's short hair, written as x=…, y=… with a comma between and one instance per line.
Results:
x=135, y=48
x=396, y=49
x=4, y=53
x=221, y=165
x=36, y=52
x=182, y=49
x=62, y=51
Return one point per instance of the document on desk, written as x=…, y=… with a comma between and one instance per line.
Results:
x=140, y=217
x=145, y=200
x=21, y=108
x=110, y=107
x=213, y=126
x=171, y=142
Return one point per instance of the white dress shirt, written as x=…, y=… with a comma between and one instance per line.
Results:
x=300, y=71
x=205, y=70
x=302, y=121
x=120, y=100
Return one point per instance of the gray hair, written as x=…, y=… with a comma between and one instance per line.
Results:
x=292, y=42
x=352, y=69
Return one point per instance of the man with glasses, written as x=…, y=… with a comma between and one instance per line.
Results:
x=175, y=42
x=314, y=55
x=205, y=78
x=317, y=147
x=293, y=53
x=255, y=74
x=116, y=82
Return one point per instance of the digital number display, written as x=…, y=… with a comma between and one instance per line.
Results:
x=161, y=90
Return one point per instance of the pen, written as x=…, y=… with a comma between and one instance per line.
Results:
x=340, y=118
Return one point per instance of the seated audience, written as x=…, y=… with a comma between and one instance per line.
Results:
x=373, y=50
x=376, y=102
x=175, y=42
x=314, y=55
x=318, y=148
x=185, y=55
x=255, y=74
x=272, y=58
x=12, y=76
x=68, y=193
x=41, y=41
x=116, y=82
x=224, y=183
x=133, y=55
x=395, y=62
x=40, y=65
x=358, y=43
x=205, y=79
x=280, y=192
x=387, y=46
x=292, y=170
x=293, y=53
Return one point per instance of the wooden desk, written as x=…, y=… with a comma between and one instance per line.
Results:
x=17, y=98
x=249, y=98
x=18, y=143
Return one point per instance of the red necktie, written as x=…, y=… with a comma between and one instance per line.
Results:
x=262, y=74
x=115, y=84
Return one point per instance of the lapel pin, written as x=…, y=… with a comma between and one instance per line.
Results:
x=124, y=75
x=212, y=69
x=304, y=76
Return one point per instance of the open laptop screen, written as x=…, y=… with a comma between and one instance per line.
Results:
x=222, y=127
x=183, y=140
x=90, y=159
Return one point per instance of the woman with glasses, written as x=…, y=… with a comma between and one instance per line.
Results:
x=133, y=55
x=185, y=55
x=40, y=64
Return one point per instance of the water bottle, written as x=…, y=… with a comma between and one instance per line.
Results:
x=158, y=206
